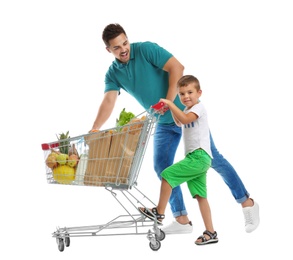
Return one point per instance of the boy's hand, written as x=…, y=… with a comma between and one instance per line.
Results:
x=160, y=107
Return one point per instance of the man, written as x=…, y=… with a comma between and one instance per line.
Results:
x=148, y=72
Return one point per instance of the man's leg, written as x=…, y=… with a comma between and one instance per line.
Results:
x=166, y=141
x=238, y=190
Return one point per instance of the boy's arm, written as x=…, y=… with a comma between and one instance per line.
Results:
x=177, y=122
x=178, y=114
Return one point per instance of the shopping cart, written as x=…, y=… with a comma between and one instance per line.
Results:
x=111, y=159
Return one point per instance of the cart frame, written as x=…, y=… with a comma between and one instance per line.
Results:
x=130, y=223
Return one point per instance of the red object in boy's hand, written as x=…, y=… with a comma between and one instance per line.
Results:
x=160, y=106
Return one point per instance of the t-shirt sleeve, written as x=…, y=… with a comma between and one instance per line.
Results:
x=110, y=85
x=155, y=54
x=197, y=109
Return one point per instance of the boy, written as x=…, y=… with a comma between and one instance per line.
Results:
x=198, y=156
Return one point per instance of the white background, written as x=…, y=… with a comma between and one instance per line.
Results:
x=52, y=67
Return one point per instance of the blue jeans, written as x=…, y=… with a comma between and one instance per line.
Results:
x=166, y=141
x=229, y=175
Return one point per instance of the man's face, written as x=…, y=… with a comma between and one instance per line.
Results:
x=120, y=48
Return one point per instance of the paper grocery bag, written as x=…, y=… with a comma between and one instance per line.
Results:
x=98, y=154
x=121, y=154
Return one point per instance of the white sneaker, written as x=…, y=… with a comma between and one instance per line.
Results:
x=177, y=228
x=251, y=216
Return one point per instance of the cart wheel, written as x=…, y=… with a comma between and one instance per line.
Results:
x=61, y=244
x=156, y=246
x=161, y=236
x=67, y=241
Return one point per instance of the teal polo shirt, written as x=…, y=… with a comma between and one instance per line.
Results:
x=143, y=76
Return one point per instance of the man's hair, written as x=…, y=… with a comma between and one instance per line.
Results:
x=188, y=79
x=111, y=31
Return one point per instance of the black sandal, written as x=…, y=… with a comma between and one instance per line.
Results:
x=204, y=241
x=152, y=214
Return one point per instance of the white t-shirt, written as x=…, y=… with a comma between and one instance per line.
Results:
x=197, y=134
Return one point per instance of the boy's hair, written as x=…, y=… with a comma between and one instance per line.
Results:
x=111, y=31
x=188, y=79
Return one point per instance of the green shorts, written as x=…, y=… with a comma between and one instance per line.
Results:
x=192, y=170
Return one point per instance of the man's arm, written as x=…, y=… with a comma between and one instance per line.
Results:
x=175, y=70
x=105, y=109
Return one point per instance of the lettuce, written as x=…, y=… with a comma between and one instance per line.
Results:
x=124, y=118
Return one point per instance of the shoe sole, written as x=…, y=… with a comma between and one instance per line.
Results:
x=176, y=233
x=211, y=241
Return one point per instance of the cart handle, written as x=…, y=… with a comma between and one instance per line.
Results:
x=49, y=146
x=160, y=105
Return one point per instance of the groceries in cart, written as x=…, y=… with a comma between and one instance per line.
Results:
x=100, y=158
x=112, y=159
x=64, y=160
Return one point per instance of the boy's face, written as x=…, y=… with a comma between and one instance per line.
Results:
x=189, y=95
x=120, y=48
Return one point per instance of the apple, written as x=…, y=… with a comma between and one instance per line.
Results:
x=62, y=158
x=72, y=160
x=51, y=160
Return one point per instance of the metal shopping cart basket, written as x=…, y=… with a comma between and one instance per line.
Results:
x=110, y=159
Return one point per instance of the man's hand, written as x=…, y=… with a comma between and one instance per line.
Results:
x=93, y=131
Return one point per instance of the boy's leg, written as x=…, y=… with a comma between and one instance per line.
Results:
x=209, y=235
x=205, y=213
x=166, y=141
x=165, y=194
x=231, y=178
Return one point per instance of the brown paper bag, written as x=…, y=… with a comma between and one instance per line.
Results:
x=111, y=154
x=99, y=146
x=122, y=152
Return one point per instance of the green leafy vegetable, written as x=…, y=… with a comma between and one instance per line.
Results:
x=124, y=118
